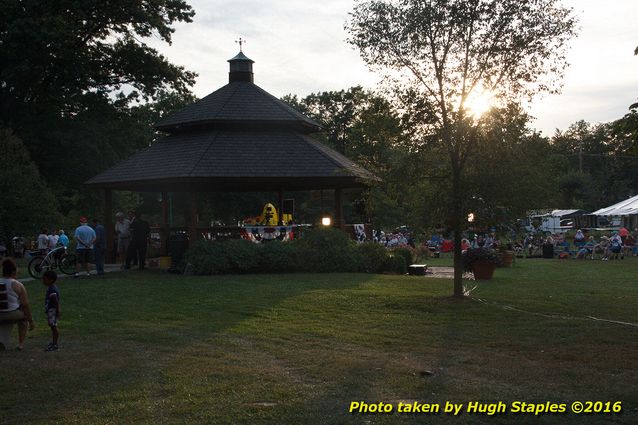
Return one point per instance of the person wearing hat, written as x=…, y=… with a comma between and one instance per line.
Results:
x=603, y=246
x=85, y=238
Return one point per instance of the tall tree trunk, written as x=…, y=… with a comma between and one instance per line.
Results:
x=457, y=225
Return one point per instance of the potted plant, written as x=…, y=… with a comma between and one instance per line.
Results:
x=506, y=255
x=481, y=262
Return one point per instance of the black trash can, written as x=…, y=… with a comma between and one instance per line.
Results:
x=548, y=250
x=177, y=247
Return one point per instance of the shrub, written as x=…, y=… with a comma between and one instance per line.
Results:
x=373, y=258
x=207, y=257
x=321, y=250
x=280, y=257
x=406, y=253
x=328, y=250
x=397, y=264
x=421, y=253
x=241, y=255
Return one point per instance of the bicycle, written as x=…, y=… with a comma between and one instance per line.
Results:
x=56, y=258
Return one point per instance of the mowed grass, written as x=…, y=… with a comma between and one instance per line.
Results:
x=156, y=348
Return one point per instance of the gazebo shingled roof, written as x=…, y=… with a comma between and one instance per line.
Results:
x=238, y=102
x=232, y=160
x=238, y=138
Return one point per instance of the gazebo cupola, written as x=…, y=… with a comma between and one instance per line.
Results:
x=241, y=69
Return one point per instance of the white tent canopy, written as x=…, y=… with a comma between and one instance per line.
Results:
x=563, y=213
x=626, y=207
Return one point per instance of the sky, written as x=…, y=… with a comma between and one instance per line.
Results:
x=300, y=47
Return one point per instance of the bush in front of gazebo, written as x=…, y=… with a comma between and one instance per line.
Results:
x=319, y=251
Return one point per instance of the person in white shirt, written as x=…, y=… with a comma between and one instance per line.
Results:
x=43, y=241
x=53, y=240
x=123, y=232
x=14, y=301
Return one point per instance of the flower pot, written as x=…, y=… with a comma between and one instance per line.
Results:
x=483, y=270
x=507, y=258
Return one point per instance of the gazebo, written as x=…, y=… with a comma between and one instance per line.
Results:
x=238, y=138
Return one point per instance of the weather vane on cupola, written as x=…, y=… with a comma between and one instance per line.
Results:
x=240, y=42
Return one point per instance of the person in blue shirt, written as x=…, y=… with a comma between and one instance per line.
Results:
x=99, y=247
x=63, y=239
x=52, y=307
x=85, y=238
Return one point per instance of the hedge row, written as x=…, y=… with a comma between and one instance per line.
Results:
x=319, y=251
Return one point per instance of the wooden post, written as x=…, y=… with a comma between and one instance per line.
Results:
x=165, y=230
x=339, y=222
x=192, y=223
x=108, y=225
x=280, y=207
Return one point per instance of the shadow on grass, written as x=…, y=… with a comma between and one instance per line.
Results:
x=121, y=337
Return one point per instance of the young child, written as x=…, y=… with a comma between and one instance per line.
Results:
x=52, y=307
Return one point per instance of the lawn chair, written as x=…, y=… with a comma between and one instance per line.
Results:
x=597, y=250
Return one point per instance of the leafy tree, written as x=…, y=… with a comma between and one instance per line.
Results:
x=27, y=203
x=513, y=172
x=77, y=79
x=440, y=53
x=625, y=130
x=599, y=163
x=58, y=56
x=366, y=127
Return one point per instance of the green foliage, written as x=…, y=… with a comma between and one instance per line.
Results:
x=328, y=250
x=27, y=203
x=473, y=255
x=242, y=256
x=406, y=253
x=281, y=257
x=512, y=170
x=422, y=253
x=320, y=251
x=574, y=189
x=366, y=127
x=208, y=258
x=71, y=72
x=61, y=56
x=397, y=264
x=599, y=162
x=373, y=257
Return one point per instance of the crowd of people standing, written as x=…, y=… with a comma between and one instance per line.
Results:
x=131, y=240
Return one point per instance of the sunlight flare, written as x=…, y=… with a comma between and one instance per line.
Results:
x=479, y=102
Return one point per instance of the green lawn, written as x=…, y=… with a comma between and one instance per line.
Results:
x=296, y=349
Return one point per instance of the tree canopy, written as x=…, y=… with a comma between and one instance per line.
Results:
x=27, y=203
x=80, y=86
x=60, y=56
